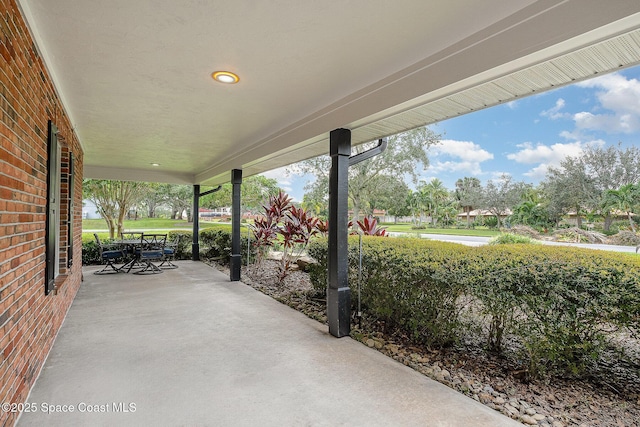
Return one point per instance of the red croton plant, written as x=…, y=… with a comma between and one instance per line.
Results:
x=369, y=227
x=292, y=226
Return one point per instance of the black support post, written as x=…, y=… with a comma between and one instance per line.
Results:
x=236, y=258
x=338, y=293
x=195, y=245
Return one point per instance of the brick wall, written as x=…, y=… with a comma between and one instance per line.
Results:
x=29, y=320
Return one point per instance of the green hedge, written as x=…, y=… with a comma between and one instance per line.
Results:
x=404, y=284
x=215, y=243
x=557, y=303
x=560, y=302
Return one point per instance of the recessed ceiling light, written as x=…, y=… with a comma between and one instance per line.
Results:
x=155, y=164
x=225, y=77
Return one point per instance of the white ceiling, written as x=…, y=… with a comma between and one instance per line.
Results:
x=134, y=76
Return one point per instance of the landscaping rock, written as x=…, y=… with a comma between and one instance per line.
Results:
x=527, y=419
x=498, y=400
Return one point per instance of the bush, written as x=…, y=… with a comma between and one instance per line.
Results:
x=404, y=283
x=215, y=243
x=557, y=303
x=90, y=249
x=184, y=248
x=509, y=239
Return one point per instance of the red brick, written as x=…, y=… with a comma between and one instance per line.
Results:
x=29, y=320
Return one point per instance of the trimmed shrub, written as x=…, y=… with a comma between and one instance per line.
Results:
x=509, y=239
x=184, y=248
x=557, y=303
x=215, y=243
x=90, y=249
x=410, y=283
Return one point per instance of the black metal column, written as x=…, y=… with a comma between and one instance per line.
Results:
x=338, y=293
x=236, y=258
x=195, y=245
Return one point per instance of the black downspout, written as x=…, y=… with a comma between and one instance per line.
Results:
x=195, y=246
x=235, y=258
x=338, y=293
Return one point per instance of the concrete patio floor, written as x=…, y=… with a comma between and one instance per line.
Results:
x=189, y=348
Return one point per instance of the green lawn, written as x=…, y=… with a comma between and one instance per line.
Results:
x=478, y=231
x=147, y=224
x=175, y=224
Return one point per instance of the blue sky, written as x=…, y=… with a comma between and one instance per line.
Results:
x=523, y=138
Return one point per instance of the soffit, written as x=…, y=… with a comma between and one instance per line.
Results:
x=134, y=75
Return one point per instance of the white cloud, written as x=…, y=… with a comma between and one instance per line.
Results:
x=458, y=156
x=539, y=172
x=547, y=155
x=620, y=98
x=282, y=176
x=541, y=153
x=555, y=112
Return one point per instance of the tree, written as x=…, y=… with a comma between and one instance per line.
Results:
x=180, y=198
x=449, y=211
x=433, y=196
x=152, y=198
x=414, y=203
x=255, y=191
x=625, y=199
x=387, y=193
x=468, y=192
x=610, y=169
x=404, y=152
x=317, y=203
x=113, y=200
x=570, y=187
x=530, y=210
x=502, y=195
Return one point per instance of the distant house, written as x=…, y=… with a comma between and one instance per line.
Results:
x=481, y=213
x=205, y=213
x=377, y=213
x=572, y=218
x=89, y=210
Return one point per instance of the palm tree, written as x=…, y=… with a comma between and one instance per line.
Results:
x=414, y=202
x=624, y=199
x=434, y=195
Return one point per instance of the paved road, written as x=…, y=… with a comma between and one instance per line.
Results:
x=479, y=241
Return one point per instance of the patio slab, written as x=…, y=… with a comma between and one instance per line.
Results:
x=188, y=347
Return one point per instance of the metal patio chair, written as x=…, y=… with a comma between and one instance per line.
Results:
x=151, y=249
x=109, y=253
x=170, y=250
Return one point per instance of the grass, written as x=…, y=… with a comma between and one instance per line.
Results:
x=159, y=224
x=147, y=224
x=478, y=231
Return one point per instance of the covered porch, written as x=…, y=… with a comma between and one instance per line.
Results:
x=189, y=347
